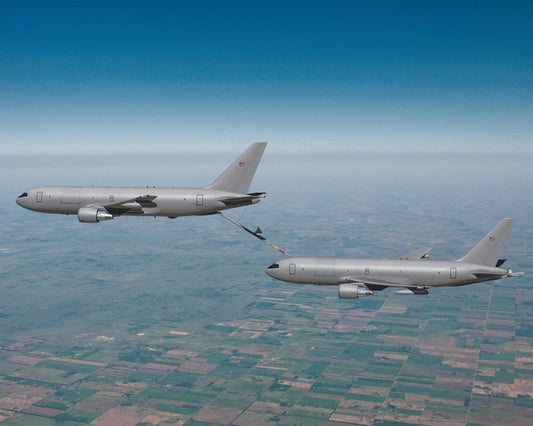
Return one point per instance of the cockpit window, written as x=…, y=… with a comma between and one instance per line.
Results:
x=24, y=194
x=273, y=266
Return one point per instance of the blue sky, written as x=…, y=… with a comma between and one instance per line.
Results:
x=136, y=77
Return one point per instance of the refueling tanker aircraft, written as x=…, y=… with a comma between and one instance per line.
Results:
x=362, y=277
x=95, y=204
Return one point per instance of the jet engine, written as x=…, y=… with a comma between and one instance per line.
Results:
x=93, y=215
x=353, y=291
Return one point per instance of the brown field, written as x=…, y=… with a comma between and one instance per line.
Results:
x=499, y=333
x=519, y=387
x=179, y=353
x=42, y=411
x=391, y=356
x=130, y=416
x=350, y=418
x=96, y=404
x=78, y=361
x=216, y=415
x=20, y=397
x=370, y=390
x=25, y=360
x=197, y=367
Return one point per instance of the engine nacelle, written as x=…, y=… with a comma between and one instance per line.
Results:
x=92, y=215
x=353, y=291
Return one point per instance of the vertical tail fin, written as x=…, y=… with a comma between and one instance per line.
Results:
x=489, y=249
x=238, y=177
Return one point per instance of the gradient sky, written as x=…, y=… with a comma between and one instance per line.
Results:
x=181, y=76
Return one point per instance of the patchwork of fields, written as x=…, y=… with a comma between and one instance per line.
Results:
x=294, y=355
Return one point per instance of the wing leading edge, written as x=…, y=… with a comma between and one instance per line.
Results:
x=417, y=254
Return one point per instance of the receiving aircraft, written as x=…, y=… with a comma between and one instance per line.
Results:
x=361, y=277
x=95, y=204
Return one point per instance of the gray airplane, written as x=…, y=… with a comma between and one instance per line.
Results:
x=361, y=277
x=95, y=204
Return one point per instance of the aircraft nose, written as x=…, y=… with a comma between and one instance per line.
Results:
x=21, y=199
x=272, y=270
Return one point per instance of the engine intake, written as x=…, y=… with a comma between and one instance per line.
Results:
x=353, y=291
x=92, y=215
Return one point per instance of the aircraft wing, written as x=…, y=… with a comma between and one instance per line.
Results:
x=417, y=254
x=382, y=282
x=133, y=205
x=378, y=285
x=243, y=200
x=142, y=201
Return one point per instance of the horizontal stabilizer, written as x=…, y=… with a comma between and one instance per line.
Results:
x=513, y=274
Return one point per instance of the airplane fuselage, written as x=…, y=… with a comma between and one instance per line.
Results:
x=170, y=202
x=98, y=203
x=381, y=272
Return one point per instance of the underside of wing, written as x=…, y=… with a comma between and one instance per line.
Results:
x=242, y=201
x=132, y=206
x=378, y=283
